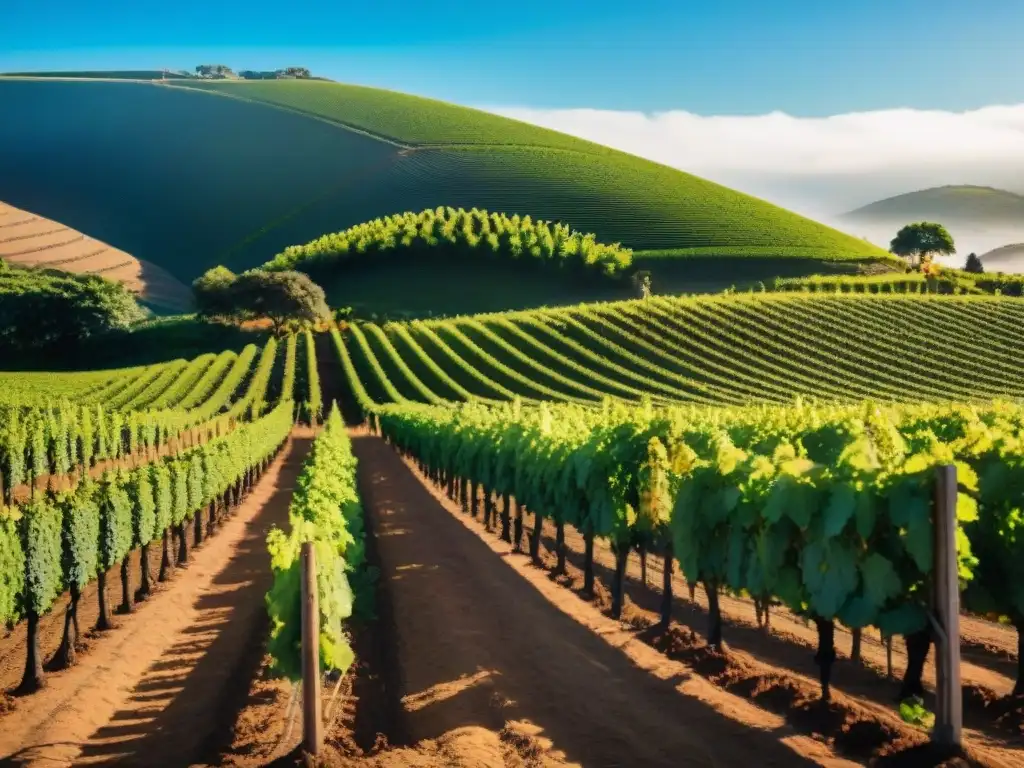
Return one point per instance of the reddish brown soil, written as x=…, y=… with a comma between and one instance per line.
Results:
x=860, y=729
x=492, y=654
x=162, y=688
x=791, y=644
x=34, y=241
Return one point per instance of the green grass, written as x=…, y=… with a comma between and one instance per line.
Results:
x=483, y=160
x=412, y=121
x=719, y=350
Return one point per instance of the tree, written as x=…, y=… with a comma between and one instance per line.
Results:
x=922, y=240
x=214, y=70
x=973, y=264
x=213, y=295
x=47, y=307
x=280, y=296
x=297, y=72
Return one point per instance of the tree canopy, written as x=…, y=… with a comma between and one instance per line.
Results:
x=922, y=240
x=974, y=264
x=214, y=70
x=212, y=293
x=282, y=297
x=46, y=307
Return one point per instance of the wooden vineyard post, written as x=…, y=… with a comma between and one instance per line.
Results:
x=949, y=702
x=312, y=721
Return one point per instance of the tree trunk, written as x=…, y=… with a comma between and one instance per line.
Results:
x=855, y=653
x=588, y=561
x=517, y=529
x=506, y=520
x=887, y=640
x=474, y=500
x=103, y=622
x=643, y=564
x=538, y=525
x=691, y=587
x=67, y=653
x=144, y=586
x=165, y=559
x=560, y=546
x=127, y=606
x=918, y=645
x=666, y=590
x=826, y=654
x=182, y=544
x=464, y=494
x=211, y=522
x=33, y=679
x=488, y=509
x=451, y=486
x=198, y=526
x=618, y=587
x=714, y=617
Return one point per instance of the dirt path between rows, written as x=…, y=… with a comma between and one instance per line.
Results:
x=163, y=687
x=791, y=643
x=488, y=645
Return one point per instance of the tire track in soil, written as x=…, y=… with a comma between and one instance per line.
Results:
x=163, y=687
x=485, y=641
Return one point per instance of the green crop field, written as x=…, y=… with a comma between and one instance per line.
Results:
x=618, y=427
x=727, y=350
x=186, y=178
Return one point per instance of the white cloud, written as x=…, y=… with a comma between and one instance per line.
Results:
x=821, y=167
x=776, y=143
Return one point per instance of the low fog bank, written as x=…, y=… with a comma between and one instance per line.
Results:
x=823, y=167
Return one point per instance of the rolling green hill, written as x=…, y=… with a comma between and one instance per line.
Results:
x=954, y=204
x=183, y=177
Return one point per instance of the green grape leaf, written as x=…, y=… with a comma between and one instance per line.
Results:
x=830, y=573
x=866, y=514
x=881, y=582
x=966, y=477
x=736, y=558
x=918, y=538
x=842, y=503
x=789, y=588
x=966, y=508
x=858, y=612
x=722, y=503
x=778, y=499
x=906, y=502
x=904, y=620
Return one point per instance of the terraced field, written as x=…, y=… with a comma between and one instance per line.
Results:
x=723, y=350
x=29, y=240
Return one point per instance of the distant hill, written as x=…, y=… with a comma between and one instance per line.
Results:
x=29, y=240
x=1007, y=258
x=188, y=173
x=955, y=204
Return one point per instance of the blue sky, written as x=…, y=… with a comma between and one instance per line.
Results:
x=739, y=57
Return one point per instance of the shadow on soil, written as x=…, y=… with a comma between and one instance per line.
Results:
x=185, y=704
x=522, y=658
